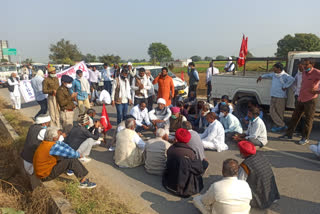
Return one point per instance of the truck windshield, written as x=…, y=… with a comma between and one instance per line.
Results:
x=6, y=68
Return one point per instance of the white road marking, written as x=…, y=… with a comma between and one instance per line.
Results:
x=292, y=155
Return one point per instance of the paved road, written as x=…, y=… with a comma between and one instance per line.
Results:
x=296, y=169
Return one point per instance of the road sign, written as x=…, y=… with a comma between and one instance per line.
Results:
x=9, y=51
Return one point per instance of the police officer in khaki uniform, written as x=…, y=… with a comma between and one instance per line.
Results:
x=65, y=101
x=50, y=86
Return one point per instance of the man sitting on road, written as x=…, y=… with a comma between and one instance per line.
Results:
x=156, y=153
x=176, y=119
x=33, y=140
x=281, y=81
x=112, y=145
x=52, y=158
x=160, y=115
x=230, y=123
x=81, y=139
x=228, y=195
x=256, y=170
x=129, y=147
x=195, y=143
x=256, y=132
x=140, y=112
x=183, y=174
x=213, y=137
x=224, y=102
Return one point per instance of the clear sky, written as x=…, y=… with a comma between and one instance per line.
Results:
x=127, y=27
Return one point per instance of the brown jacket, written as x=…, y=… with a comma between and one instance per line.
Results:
x=64, y=99
x=50, y=84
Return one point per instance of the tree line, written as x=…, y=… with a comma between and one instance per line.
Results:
x=64, y=52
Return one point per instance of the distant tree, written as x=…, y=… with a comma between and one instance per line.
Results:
x=4, y=60
x=250, y=54
x=110, y=59
x=27, y=61
x=89, y=58
x=64, y=51
x=196, y=58
x=233, y=57
x=298, y=42
x=220, y=57
x=159, y=52
x=208, y=58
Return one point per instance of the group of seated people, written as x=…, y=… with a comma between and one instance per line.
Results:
x=176, y=153
x=182, y=163
x=48, y=151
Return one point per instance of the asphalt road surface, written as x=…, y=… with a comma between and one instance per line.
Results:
x=296, y=170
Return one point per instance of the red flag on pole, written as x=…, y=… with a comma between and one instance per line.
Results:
x=104, y=120
x=182, y=75
x=243, y=51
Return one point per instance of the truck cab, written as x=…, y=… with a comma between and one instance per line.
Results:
x=242, y=88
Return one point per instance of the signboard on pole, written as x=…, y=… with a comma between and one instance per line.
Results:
x=9, y=51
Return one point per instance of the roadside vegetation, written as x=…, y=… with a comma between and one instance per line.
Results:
x=16, y=196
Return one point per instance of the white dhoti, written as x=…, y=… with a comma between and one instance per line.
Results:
x=215, y=146
x=16, y=100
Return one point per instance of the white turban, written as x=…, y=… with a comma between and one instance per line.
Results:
x=161, y=100
x=129, y=63
x=230, y=58
x=40, y=73
x=43, y=119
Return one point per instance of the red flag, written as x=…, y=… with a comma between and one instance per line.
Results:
x=104, y=120
x=182, y=75
x=243, y=51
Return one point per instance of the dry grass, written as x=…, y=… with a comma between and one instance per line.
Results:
x=15, y=190
x=97, y=200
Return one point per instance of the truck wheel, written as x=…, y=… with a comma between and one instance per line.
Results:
x=241, y=108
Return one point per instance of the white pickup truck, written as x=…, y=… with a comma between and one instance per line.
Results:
x=242, y=88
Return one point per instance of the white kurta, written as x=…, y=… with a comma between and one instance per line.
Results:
x=15, y=95
x=213, y=137
x=229, y=195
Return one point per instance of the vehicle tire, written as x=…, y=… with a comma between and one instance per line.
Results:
x=241, y=107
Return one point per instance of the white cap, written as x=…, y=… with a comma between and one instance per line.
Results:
x=42, y=119
x=129, y=63
x=230, y=58
x=162, y=101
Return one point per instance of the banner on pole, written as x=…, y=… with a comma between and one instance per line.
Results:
x=26, y=91
x=72, y=71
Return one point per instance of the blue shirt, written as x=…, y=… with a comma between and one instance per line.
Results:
x=76, y=87
x=231, y=124
x=63, y=150
x=194, y=73
x=283, y=80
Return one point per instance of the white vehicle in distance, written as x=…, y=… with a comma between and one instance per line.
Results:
x=181, y=87
x=61, y=67
x=6, y=69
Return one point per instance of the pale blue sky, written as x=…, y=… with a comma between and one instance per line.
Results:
x=127, y=27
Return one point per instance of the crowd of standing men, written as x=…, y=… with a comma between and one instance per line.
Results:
x=182, y=131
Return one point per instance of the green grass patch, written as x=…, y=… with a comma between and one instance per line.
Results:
x=97, y=200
